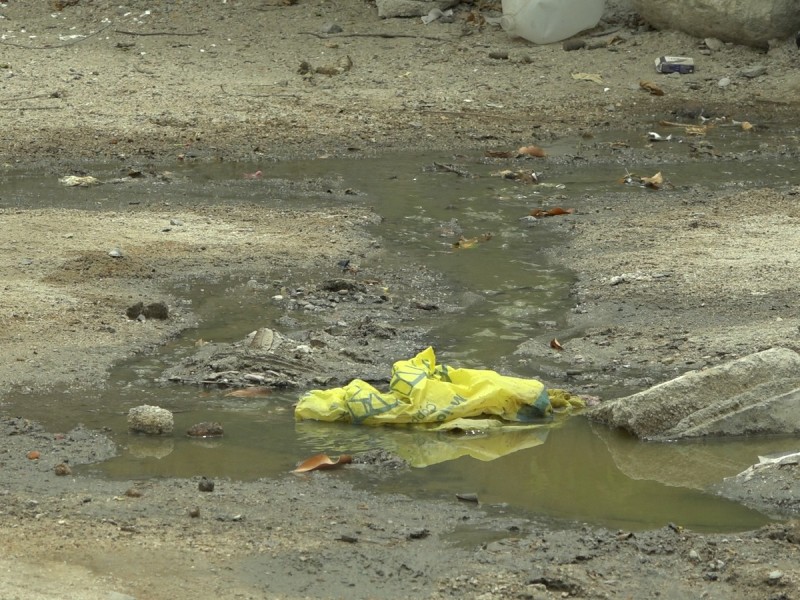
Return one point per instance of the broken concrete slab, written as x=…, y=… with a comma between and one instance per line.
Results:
x=739, y=21
x=757, y=394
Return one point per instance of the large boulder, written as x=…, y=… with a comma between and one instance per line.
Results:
x=755, y=395
x=749, y=22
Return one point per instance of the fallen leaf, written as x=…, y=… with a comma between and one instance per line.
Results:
x=654, y=182
x=595, y=77
x=531, y=151
x=322, y=461
x=551, y=212
x=251, y=392
x=651, y=87
x=556, y=345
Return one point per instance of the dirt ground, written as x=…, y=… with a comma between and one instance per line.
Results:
x=703, y=275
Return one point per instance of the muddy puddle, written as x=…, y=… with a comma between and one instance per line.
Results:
x=571, y=472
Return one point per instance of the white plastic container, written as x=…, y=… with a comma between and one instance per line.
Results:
x=548, y=21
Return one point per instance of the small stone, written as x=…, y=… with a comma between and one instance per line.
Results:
x=774, y=576
x=133, y=493
x=573, y=44
x=205, y=429
x=116, y=253
x=724, y=82
x=62, y=469
x=713, y=44
x=499, y=54
x=331, y=28
x=754, y=71
x=133, y=312
x=156, y=310
x=194, y=513
x=205, y=485
x=693, y=555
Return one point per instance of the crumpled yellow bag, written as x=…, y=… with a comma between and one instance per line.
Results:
x=424, y=393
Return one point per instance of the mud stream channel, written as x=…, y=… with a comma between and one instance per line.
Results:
x=571, y=473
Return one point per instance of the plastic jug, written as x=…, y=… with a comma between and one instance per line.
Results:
x=548, y=21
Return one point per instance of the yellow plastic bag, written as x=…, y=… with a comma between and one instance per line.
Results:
x=422, y=392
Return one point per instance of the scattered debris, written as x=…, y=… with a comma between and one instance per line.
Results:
x=78, y=181
x=540, y=213
x=675, y=64
x=657, y=137
x=322, y=461
x=651, y=87
x=655, y=182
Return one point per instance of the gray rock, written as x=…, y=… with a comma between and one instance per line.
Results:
x=749, y=22
x=757, y=394
x=754, y=71
x=411, y=8
x=152, y=420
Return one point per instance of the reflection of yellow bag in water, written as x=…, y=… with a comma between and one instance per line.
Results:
x=422, y=392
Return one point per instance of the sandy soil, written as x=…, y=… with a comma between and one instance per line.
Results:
x=153, y=85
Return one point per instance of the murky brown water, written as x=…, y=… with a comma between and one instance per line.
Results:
x=573, y=472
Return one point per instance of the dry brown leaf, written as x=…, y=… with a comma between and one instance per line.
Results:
x=251, y=392
x=322, y=461
x=551, y=212
x=651, y=87
x=654, y=182
x=531, y=151
x=556, y=345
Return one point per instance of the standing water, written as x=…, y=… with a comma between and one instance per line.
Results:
x=573, y=472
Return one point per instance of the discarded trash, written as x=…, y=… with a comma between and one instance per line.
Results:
x=548, y=21
x=675, y=64
x=322, y=461
x=435, y=396
x=657, y=137
x=78, y=181
x=437, y=14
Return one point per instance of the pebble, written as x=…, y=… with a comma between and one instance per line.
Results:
x=754, y=71
x=775, y=576
x=205, y=485
x=62, y=470
x=724, y=82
